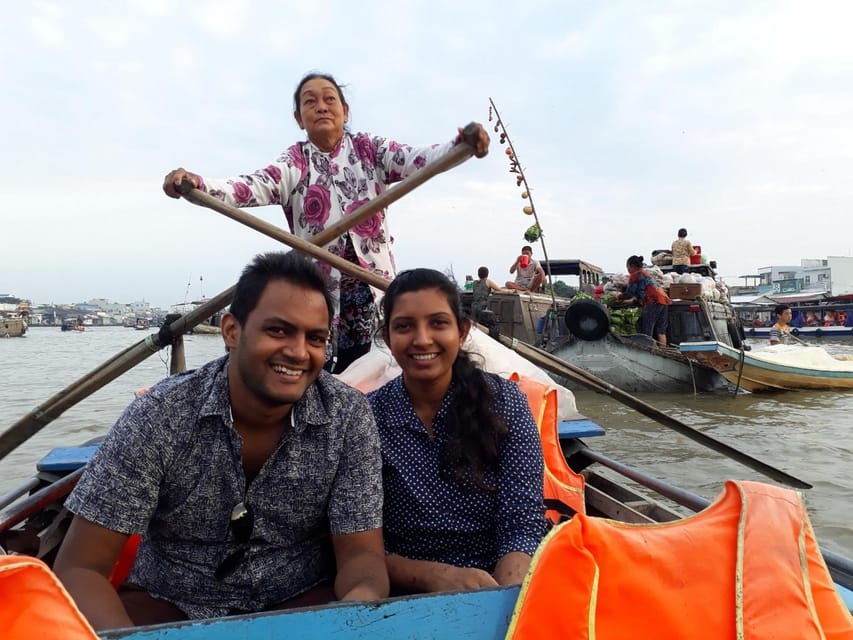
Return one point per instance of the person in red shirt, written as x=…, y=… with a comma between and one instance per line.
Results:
x=643, y=291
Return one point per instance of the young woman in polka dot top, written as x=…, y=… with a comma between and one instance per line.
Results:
x=462, y=461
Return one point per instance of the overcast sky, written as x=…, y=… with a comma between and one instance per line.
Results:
x=631, y=119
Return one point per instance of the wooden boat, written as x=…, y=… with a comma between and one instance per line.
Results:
x=776, y=367
x=210, y=325
x=579, y=332
x=32, y=521
x=13, y=326
x=143, y=324
x=70, y=324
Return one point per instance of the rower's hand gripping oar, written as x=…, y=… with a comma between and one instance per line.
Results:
x=83, y=387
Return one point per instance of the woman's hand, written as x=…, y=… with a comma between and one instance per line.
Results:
x=174, y=178
x=480, y=142
x=446, y=577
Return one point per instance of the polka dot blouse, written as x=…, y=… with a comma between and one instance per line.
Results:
x=427, y=514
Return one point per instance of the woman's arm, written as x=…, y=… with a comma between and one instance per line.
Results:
x=520, y=515
x=422, y=576
x=262, y=187
x=512, y=568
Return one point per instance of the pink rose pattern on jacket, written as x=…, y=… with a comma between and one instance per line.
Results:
x=317, y=189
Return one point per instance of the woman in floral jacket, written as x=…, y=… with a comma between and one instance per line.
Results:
x=323, y=179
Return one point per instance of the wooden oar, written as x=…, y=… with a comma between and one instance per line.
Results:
x=45, y=413
x=572, y=372
x=534, y=355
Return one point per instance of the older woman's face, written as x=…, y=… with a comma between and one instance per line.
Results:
x=321, y=112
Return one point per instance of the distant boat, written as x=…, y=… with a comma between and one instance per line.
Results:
x=143, y=324
x=13, y=327
x=776, y=367
x=829, y=320
x=70, y=324
x=208, y=326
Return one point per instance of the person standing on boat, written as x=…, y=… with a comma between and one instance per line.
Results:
x=642, y=290
x=320, y=181
x=530, y=275
x=780, y=332
x=462, y=461
x=682, y=251
x=254, y=481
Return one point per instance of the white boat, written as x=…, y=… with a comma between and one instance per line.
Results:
x=774, y=367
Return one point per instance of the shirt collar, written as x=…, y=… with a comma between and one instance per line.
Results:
x=309, y=410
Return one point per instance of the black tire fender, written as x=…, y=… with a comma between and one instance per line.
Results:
x=795, y=331
x=587, y=319
x=734, y=334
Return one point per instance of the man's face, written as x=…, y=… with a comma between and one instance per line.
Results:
x=281, y=348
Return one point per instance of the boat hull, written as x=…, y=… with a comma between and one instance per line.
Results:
x=634, y=364
x=13, y=327
x=748, y=370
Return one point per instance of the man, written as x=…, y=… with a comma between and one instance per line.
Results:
x=780, y=332
x=682, y=251
x=253, y=480
x=530, y=274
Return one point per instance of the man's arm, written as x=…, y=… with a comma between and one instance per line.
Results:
x=360, y=561
x=422, y=576
x=85, y=560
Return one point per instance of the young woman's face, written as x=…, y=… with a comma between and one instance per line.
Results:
x=423, y=336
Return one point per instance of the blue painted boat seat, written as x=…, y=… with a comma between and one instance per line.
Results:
x=570, y=429
x=64, y=459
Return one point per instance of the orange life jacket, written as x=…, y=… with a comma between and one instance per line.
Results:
x=36, y=605
x=562, y=485
x=747, y=568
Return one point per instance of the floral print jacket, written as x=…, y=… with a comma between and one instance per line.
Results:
x=317, y=189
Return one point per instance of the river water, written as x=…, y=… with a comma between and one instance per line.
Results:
x=805, y=433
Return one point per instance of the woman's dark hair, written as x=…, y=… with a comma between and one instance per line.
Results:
x=313, y=76
x=483, y=272
x=276, y=265
x=780, y=309
x=682, y=233
x=476, y=429
x=636, y=261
